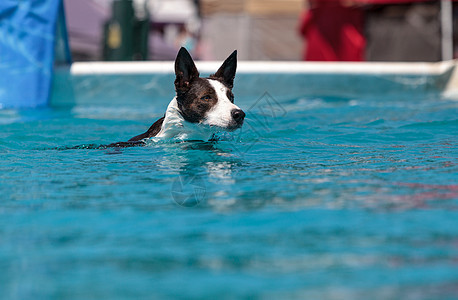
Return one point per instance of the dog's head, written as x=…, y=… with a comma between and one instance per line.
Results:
x=208, y=101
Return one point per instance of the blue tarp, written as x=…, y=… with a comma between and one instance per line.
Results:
x=27, y=36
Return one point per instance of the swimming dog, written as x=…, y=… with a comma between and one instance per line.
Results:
x=201, y=107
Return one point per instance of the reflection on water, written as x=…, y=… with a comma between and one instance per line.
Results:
x=212, y=167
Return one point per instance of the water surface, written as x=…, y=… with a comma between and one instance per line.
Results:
x=314, y=198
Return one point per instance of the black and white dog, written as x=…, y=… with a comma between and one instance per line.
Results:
x=202, y=106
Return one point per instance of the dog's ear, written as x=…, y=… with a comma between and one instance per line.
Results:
x=226, y=73
x=185, y=70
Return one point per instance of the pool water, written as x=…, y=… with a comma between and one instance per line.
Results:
x=313, y=199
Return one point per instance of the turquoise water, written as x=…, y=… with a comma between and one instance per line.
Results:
x=314, y=199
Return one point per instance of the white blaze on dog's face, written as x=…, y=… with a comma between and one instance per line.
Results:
x=207, y=101
x=224, y=114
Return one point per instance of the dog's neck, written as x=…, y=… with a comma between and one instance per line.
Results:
x=175, y=126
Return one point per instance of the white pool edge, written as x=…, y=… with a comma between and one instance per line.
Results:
x=86, y=68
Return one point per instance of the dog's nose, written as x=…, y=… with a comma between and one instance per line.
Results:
x=238, y=115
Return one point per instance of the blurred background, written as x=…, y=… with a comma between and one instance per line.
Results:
x=312, y=30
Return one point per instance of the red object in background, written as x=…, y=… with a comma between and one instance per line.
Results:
x=386, y=1
x=333, y=32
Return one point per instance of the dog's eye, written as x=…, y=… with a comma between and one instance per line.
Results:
x=205, y=98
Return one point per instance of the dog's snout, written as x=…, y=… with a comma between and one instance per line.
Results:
x=238, y=115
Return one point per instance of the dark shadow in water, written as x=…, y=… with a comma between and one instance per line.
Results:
x=193, y=144
x=101, y=147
